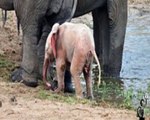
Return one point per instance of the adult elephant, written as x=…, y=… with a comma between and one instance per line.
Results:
x=37, y=16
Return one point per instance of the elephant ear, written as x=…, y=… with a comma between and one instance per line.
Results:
x=53, y=44
x=54, y=37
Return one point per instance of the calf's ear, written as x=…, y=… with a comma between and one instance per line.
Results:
x=53, y=44
x=53, y=38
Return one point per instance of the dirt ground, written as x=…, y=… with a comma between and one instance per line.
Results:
x=20, y=102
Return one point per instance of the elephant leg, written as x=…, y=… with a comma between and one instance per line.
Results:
x=29, y=66
x=76, y=68
x=30, y=60
x=101, y=37
x=117, y=10
x=60, y=69
x=109, y=32
x=68, y=82
x=88, y=80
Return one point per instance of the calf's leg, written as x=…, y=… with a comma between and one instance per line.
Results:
x=88, y=80
x=76, y=70
x=60, y=70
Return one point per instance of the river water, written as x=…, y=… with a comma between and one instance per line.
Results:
x=135, y=71
x=136, y=55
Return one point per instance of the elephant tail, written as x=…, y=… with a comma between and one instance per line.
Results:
x=99, y=67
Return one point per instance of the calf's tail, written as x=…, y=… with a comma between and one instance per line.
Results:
x=99, y=67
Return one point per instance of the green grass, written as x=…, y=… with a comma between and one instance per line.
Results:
x=62, y=97
x=113, y=94
x=108, y=94
x=6, y=67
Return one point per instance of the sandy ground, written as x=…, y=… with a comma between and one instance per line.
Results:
x=20, y=102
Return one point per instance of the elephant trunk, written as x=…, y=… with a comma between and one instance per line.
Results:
x=45, y=67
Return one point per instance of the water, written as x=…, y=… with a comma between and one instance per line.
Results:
x=136, y=56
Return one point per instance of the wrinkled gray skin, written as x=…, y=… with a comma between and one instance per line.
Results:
x=36, y=17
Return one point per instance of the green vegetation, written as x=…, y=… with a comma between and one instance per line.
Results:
x=109, y=94
x=113, y=93
x=67, y=98
x=5, y=67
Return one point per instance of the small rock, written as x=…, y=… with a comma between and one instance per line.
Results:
x=13, y=100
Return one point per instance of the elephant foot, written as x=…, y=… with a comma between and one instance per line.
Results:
x=68, y=83
x=30, y=83
x=110, y=72
x=48, y=86
x=79, y=97
x=90, y=97
x=58, y=90
x=16, y=75
x=69, y=88
x=19, y=75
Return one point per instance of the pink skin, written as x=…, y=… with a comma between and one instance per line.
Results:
x=74, y=44
x=49, y=57
x=45, y=66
